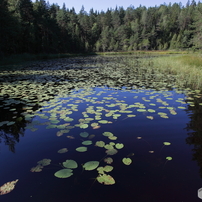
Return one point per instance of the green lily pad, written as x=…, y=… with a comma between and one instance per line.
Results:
x=37, y=168
x=108, y=160
x=108, y=134
x=81, y=149
x=112, y=137
x=105, y=179
x=131, y=115
x=87, y=142
x=127, y=161
x=10, y=123
x=150, y=117
x=85, y=125
x=63, y=150
x=111, y=151
x=141, y=110
x=70, y=164
x=100, y=144
x=103, y=121
x=119, y=145
x=44, y=162
x=169, y=158
x=108, y=146
x=167, y=143
x=108, y=168
x=91, y=165
x=84, y=134
x=180, y=107
x=63, y=173
x=94, y=124
x=151, y=110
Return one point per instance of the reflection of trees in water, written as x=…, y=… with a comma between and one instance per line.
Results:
x=194, y=128
x=10, y=134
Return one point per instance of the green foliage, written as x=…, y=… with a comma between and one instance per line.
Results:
x=38, y=27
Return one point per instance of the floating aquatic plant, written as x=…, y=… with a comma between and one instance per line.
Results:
x=70, y=164
x=7, y=187
x=127, y=161
x=63, y=150
x=81, y=149
x=91, y=165
x=105, y=179
x=64, y=173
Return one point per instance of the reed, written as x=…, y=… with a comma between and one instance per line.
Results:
x=187, y=68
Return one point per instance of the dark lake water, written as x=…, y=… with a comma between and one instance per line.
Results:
x=160, y=116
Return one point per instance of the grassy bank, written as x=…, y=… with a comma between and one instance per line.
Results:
x=143, y=53
x=184, y=70
x=188, y=68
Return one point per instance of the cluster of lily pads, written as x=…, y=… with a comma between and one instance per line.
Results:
x=111, y=148
x=105, y=108
x=103, y=177
x=35, y=84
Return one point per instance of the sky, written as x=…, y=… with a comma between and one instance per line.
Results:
x=100, y=5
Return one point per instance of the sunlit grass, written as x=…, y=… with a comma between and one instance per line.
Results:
x=188, y=68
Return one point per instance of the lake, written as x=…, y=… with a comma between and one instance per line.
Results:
x=88, y=129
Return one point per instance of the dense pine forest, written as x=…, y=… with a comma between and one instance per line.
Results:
x=39, y=27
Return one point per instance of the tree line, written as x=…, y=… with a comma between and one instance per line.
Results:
x=38, y=27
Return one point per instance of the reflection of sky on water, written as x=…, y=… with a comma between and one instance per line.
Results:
x=148, y=177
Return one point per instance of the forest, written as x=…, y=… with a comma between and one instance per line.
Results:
x=38, y=27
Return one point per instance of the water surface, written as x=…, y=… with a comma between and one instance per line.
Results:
x=143, y=120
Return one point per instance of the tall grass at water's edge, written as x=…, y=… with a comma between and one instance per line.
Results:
x=187, y=68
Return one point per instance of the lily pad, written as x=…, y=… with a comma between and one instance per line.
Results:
x=8, y=187
x=127, y=161
x=167, y=143
x=87, y=142
x=103, y=121
x=112, y=138
x=169, y=158
x=94, y=124
x=100, y=144
x=84, y=126
x=119, y=145
x=131, y=115
x=108, y=168
x=64, y=173
x=10, y=123
x=59, y=133
x=108, y=134
x=91, y=165
x=108, y=146
x=81, y=149
x=37, y=169
x=84, y=134
x=150, y=117
x=70, y=164
x=67, y=119
x=91, y=136
x=111, y=151
x=63, y=150
x=44, y=162
x=108, y=160
x=105, y=179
